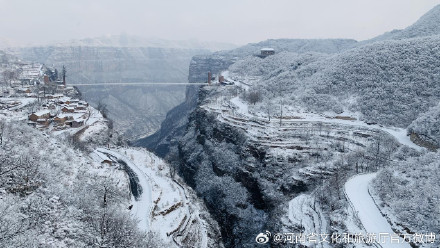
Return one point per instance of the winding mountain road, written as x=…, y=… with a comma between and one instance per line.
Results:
x=372, y=219
x=142, y=202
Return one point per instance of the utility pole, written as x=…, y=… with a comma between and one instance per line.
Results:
x=281, y=107
x=64, y=75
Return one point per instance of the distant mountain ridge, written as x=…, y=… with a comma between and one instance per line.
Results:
x=126, y=41
x=327, y=46
x=427, y=25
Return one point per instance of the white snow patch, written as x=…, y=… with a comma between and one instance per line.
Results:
x=242, y=106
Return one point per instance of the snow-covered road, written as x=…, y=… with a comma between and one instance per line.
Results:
x=142, y=206
x=357, y=192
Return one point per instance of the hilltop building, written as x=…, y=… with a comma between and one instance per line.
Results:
x=267, y=52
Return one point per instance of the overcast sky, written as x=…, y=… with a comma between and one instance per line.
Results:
x=233, y=21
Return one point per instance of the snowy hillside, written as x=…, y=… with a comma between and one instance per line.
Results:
x=290, y=143
x=427, y=127
x=53, y=195
x=389, y=83
x=409, y=195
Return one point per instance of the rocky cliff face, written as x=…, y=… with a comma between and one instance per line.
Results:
x=212, y=161
x=176, y=120
x=173, y=127
x=201, y=65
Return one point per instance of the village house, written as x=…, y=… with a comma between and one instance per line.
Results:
x=60, y=89
x=56, y=96
x=68, y=89
x=33, y=95
x=59, y=120
x=24, y=90
x=62, y=119
x=63, y=100
x=40, y=115
x=74, y=123
x=68, y=110
x=31, y=74
x=43, y=122
x=80, y=107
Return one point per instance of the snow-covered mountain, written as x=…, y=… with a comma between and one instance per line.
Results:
x=125, y=40
x=327, y=46
x=290, y=129
x=273, y=147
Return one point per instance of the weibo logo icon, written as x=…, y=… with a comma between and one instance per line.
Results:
x=263, y=238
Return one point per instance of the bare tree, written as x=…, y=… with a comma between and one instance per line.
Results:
x=102, y=108
x=269, y=107
x=9, y=76
x=254, y=97
x=63, y=74
x=2, y=131
x=173, y=158
x=10, y=228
